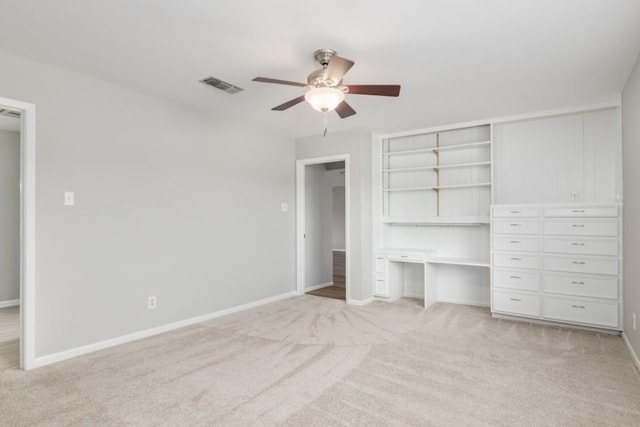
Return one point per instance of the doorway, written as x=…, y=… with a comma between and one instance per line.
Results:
x=323, y=227
x=21, y=309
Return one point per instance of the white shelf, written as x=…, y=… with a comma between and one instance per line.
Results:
x=434, y=149
x=422, y=168
x=439, y=187
x=460, y=220
x=460, y=261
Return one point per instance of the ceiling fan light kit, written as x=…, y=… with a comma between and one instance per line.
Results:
x=325, y=89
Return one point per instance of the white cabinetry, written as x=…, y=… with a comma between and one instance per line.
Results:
x=435, y=193
x=558, y=263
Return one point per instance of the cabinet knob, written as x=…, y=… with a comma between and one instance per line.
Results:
x=516, y=211
x=577, y=283
x=515, y=299
x=578, y=306
x=516, y=259
x=515, y=277
x=578, y=211
x=515, y=225
x=578, y=225
x=579, y=262
x=515, y=241
x=578, y=244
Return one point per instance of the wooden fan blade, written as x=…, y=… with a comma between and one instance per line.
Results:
x=279, y=82
x=344, y=110
x=337, y=68
x=289, y=104
x=380, y=90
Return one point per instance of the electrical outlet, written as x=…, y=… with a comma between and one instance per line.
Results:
x=152, y=303
x=633, y=317
x=575, y=196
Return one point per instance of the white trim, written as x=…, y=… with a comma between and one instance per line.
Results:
x=300, y=218
x=361, y=301
x=320, y=286
x=537, y=321
x=101, y=345
x=514, y=118
x=634, y=355
x=27, y=228
x=9, y=303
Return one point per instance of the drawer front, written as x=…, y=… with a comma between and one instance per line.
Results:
x=516, y=303
x=516, y=212
x=517, y=279
x=380, y=265
x=516, y=243
x=405, y=257
x=516, y=227
x=596, y=312
x=581, y=246
x=576, y=212
x=606, y=266
x=581, y=228
x=512, y=260
x=586, y=286
x=380, y=286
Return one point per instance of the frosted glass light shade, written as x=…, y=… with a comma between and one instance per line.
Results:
x=324, y=98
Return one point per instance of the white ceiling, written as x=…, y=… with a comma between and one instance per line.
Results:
x=457, y=60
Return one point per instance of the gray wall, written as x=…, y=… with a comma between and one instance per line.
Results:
x=318, y=257
x=170, y=202
x=337, y=217
x=9, y=215
x=631, y=214
x=358, y=144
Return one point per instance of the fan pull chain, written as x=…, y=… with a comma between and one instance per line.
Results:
x=324, y=116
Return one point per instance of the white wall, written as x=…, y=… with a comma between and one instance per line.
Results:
x=170, y=202
x=318, y=256
x=631, y=214
x=9, y=215
x=358, y=144
x=337, y=217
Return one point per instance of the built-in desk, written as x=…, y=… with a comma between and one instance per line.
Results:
x=389, y=272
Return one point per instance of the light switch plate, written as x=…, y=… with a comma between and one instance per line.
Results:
x=69, y=198
x=284, y=207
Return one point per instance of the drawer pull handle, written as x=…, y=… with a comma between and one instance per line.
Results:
x=515, y=211
x=515, y=241
x=579, y=262
x=578, y=244
x=578, y=306
x=578, y=211
x=515, y=225
x=516, y=259
x=404, y=256
x=578, y=225
x=515, y=299
x=515, y=277
x=577, y=283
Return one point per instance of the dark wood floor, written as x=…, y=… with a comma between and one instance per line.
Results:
x=335, y=292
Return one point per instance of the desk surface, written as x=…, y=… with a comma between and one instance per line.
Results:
x=429, y=256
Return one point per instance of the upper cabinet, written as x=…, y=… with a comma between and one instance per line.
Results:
x=559, y=159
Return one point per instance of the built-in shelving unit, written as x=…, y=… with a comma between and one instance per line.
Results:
x=435, y=192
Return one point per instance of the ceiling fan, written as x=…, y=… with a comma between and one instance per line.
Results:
x=326, y=91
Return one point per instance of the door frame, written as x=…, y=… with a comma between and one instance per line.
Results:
x=301, y=218
x=27, y=228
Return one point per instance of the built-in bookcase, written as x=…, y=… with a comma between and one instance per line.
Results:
x=437, y=177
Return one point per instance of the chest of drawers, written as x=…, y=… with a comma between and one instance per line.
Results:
x=557, y=263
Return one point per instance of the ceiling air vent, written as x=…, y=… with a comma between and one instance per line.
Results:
x=220, y=84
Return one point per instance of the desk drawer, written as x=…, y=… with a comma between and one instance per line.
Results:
x=581, y=228
x=405, y=257
x=516, y=243
x=380, y=288
x=380, y=264
x=581, y=246
x=601, y=211
x=516, y=212
x=516, y=303
x=586, y=286
x=592, y=312
x=516, y=227
x=512, y=260
x=608, y=266
x=516, y=279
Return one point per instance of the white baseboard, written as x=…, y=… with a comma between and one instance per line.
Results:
x=360, y=301
x=9, y=303
x=314, y=287
x=634, y=355
x=101, y=345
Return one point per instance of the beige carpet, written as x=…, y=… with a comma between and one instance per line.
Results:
x=315, y=361
x=9, y=335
